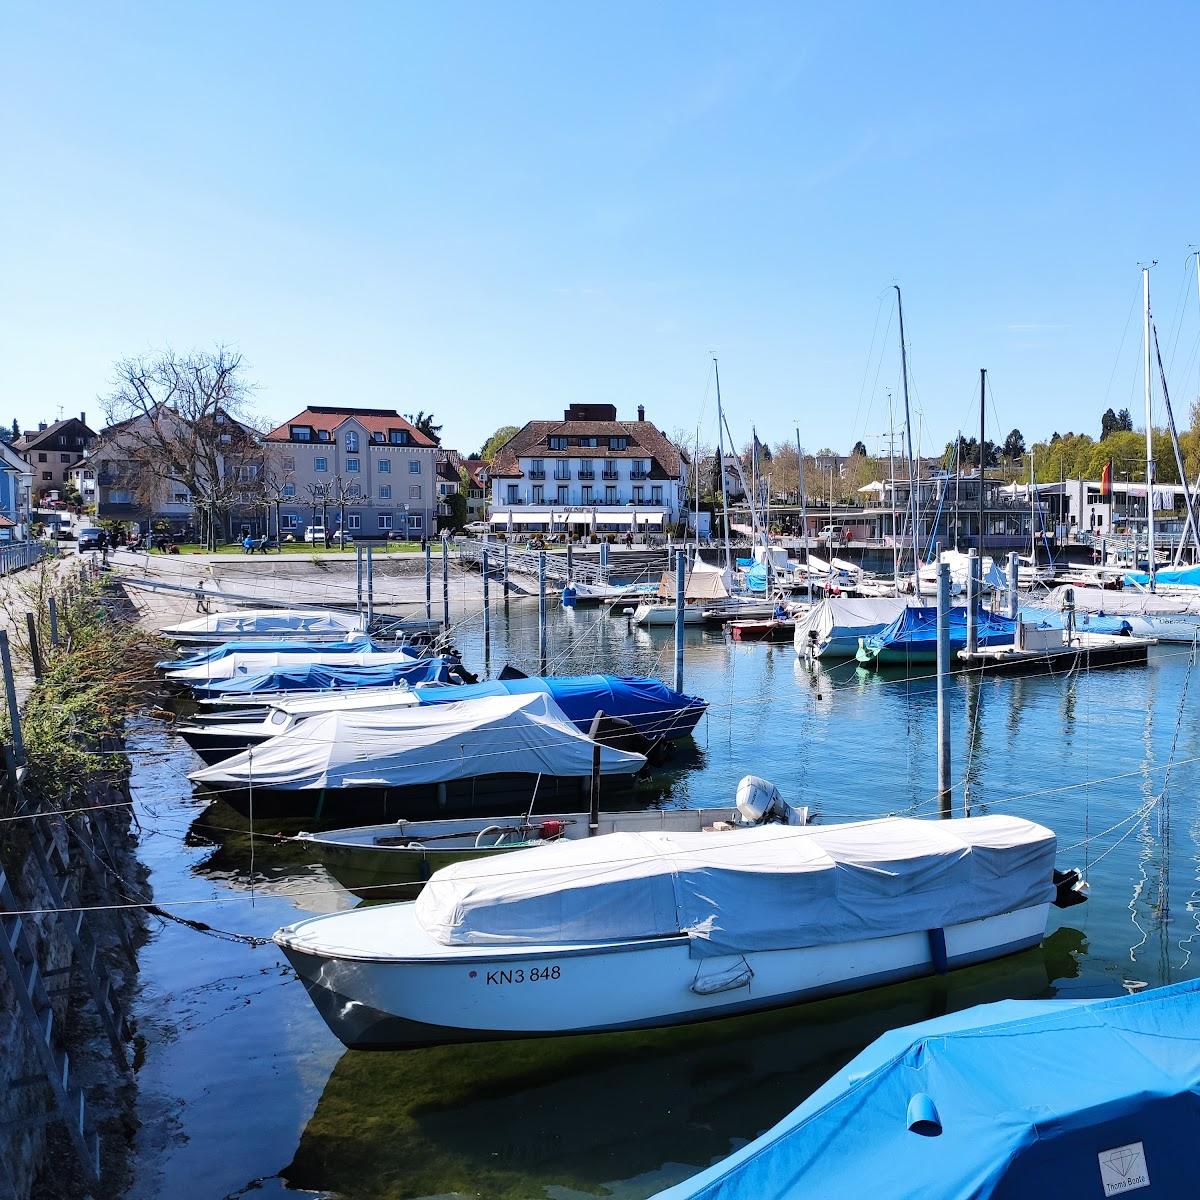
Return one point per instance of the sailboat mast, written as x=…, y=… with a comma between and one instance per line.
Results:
x=912, y=480
x=1149, y=427
x=982, y=457
x=721, y=465
x=1032, y=517
x=803, y=512
x=892, y=471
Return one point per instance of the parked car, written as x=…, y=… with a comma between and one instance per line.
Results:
x=88, y=537
x=477, y=527
x=316, y=535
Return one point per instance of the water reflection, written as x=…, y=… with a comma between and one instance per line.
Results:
x=614, y=1114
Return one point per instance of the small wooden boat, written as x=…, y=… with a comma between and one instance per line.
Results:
x=772, y=630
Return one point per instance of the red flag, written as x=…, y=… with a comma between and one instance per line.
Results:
x=1106, y=481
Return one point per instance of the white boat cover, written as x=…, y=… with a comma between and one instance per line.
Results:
x=838, y=617
x=405, y=746
x=1120, y=604
x=271, y=622
x=768, y=888
x=250, y=662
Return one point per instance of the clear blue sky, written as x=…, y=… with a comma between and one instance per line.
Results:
x=493, y=210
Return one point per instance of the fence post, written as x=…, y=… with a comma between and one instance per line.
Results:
x=34, y=653
x=10, y=696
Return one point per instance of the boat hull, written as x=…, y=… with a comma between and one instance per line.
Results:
x=469, y=994
x=664, y=614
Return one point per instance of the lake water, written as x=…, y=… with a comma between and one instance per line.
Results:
x=243, y=1091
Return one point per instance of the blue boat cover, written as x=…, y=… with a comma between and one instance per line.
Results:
x=654, y=709
x=267, y=646
x=1022, y=1099
x=916, y=628
x=321, y=677
x=756, y=578
x=1187, y=576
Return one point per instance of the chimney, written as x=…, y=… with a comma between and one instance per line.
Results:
x=641, y=412
x=41, y=426
x=83, y=418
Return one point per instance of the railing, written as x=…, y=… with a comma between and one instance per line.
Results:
x=525, y=562
x=536, y=474
x=562, y=476
x=639, y=474
x=609, y=473
x=15, y=556
x=587, y=473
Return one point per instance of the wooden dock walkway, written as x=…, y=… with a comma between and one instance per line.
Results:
x=1086, y=651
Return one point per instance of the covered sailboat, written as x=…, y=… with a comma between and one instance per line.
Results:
x=636, y=930
x=1003, y=1101
x=1169, y=618
x=305, y=624
x=351, y=644
x=912, y=636
x=381, y=763
x=326, y=677
x=256, y=662
x=704, y=586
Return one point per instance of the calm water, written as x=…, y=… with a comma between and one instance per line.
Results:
x=243, y=1090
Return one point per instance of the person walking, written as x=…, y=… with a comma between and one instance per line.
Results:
x=248, y=544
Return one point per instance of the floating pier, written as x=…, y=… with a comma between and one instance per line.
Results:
x=1033, y=655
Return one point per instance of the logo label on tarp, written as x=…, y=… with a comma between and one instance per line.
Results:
x=1123, y=1169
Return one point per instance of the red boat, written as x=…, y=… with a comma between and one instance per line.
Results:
x=762, y=631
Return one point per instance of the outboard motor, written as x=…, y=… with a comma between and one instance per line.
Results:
x=759, y=803
x=568, y=596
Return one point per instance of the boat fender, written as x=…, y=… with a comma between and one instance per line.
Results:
x=937, y=950
x=710, y=983
x=551, y=829
x=1070, y=888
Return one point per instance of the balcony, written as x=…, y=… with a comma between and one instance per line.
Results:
x=537, y=472
x=587, y=473
x=639, y=473
x=562, y=476
x=609, y=473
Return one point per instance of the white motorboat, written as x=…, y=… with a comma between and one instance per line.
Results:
x=255, y=662
x=634, y=930
x=834, y=627
x=304, y=624
x=657, y=613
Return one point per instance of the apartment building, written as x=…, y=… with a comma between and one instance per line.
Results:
x=588, y=472
x=371, y=462
x=53, y=449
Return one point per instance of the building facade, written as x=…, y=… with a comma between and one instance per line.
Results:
x=588, y=474
x=371, y=463
x=53, y=450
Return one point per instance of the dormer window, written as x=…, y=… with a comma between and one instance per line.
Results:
x=618, y=443
x=301, y=433
x=398, y=437
x=377, y=437
x=558, y=443
x=589, y=443
x=351, y=442
x=322, y=435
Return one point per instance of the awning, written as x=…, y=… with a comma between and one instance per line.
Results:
x=560, y=518
x=501, y=518
x=531, y=518
x=649, y=518
x=614, y=518
x=579, y=519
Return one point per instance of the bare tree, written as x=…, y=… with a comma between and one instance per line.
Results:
x=176, y=418
x=276, y=487
x=344, y=490
x=318, y=495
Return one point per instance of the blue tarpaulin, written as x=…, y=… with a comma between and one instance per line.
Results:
x=654, y=709
x=1004, y=1101
x=913, y=634
x=320, y=677
x=1175, y=576
x=267, y=646
x=756, y=578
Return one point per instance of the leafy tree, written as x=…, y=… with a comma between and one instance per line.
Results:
x=859, y=449
x=492, y=446
x=1014, y=445
x=970, y=453
x=424, y=424
x=1054, y=437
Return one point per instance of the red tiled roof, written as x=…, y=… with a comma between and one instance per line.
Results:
x=373, y=420
x=646, y=440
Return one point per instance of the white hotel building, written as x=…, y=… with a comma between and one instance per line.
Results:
x=588, y=473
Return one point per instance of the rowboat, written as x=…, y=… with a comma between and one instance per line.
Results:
x=635, y=930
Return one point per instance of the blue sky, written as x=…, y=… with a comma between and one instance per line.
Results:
x=493, y=210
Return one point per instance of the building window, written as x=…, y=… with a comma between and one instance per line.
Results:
x=385, y=466
x=288, y=491
x=287, y=462
x=512, y=493
x=610, y=495
x=617, y=443
x=352, y=465
x=539, y=494
x=587, y=493
x=587, y=469
x=385, y=520
x=414, y=466
x=117, y=496
x=301, y=433
x=377, y=436
x=320, y=464
x=558, y=443
x=351, y=442
x=638, y=495
x=353, y=521
x=398, y=437
x=64, y=458
x=385, y=491
x=47, y=475
x=290, y=520
x=414, y=491
x=589, y=443
x=414, y=522
x=179, y=498
x=563, y=493
x=322, y=435
x=247, y=472
x=353, y=489
x=41, y=458
x=639, y=469
x=656, y=495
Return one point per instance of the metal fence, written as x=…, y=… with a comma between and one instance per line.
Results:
x=15, y=556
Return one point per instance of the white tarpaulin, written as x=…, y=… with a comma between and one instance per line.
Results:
x=1119, y=604
x=768, y=888
x=271, y=623
x=251, y=662
x=702, y=582
x=842, y=618
x=401, y=747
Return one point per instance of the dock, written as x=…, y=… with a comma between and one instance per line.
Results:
x=1085, y=650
